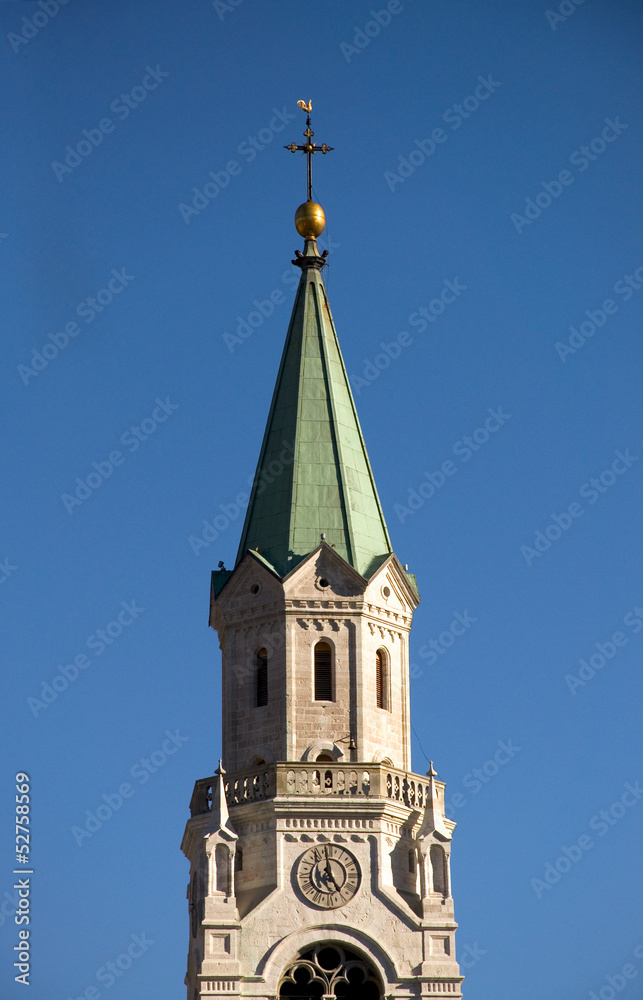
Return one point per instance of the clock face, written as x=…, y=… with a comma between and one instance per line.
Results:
x=328, y=875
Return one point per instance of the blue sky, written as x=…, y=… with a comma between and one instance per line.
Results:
x=492, y=149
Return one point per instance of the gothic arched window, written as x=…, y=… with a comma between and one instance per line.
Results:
x=329, y=969
x=323, y=672
x=382, y=683
x=261, y=678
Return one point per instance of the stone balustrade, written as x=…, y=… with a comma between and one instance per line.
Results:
x=285, y=779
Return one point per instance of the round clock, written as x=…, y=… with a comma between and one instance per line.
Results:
x=328, y=875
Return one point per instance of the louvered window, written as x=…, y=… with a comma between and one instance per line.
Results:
x=381, y=679
x=323, y=672
x=262, y=677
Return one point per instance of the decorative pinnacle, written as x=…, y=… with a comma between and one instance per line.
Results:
x=431, y=773
x=308, y=147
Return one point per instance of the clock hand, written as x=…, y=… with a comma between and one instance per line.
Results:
x=328, y=870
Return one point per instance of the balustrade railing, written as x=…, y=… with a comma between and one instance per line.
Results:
x=288, y=778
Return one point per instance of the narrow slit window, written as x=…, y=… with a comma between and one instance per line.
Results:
x=262, y=678
x=381, y=679
x=439, y=869
x=323, y=672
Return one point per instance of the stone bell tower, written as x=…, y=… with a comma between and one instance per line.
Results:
x=319, y=862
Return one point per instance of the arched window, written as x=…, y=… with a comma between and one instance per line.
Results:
x=325, y=757
x=329, y=969
x=261, y=678
x=323, y=672
x=382, y=679
x=222, y=860
x=439, y=869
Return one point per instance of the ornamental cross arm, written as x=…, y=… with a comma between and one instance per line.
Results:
x=308, y=147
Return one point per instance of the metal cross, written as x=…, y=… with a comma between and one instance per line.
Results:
x=309, y=147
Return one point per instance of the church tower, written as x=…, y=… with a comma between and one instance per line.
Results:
x=319, y=862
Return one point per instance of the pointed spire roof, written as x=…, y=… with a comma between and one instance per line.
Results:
x=219, y=822
x=433, y=820
x=313, y=474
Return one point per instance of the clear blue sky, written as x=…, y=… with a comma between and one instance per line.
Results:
x=496, y=199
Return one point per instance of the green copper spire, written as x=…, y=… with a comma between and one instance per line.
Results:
x=313, y=480
x=313, y=474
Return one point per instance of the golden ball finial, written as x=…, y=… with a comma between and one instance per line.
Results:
x=310, y=220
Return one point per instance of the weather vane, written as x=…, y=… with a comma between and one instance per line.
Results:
x=309, y=147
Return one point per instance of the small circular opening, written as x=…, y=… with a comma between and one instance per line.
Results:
x=329, y=959
x=386, y=591
x=256, y=587
x=324, y=582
